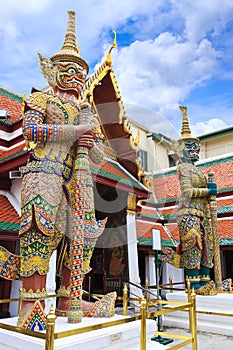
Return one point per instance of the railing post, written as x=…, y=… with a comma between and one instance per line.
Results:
x=193, y=320
x=171, y=284
x=143, y=307
x=189, y=300
x=19, y=302
x=147, y=292
x=50, y=327
x=125, y=300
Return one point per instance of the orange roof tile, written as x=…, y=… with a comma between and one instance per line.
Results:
x=144, y=230
x=224, y=202
x=11, y=153
x=223, y=174
x=8, y=214
x=165, y=211
x=225, y=228
x=167, y=185
x=12, y=102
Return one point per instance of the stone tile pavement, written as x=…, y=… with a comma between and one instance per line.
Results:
x=206, y=341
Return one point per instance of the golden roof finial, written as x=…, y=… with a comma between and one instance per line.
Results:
x=70, y=51
x=108, y=58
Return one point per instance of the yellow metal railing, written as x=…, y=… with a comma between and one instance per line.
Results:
x=50, y=336
x=165, y=307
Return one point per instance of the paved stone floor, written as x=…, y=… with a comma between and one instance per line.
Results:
x=206, y=341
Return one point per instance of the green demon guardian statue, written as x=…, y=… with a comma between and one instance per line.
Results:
x=195, y=250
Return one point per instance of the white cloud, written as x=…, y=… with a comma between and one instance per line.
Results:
x=209, y=126
x=155, y=122
x=169, y=48
x=204, y=17
x=167, y=71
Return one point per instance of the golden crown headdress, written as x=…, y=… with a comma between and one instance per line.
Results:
x=70, y=51
x=186, y=135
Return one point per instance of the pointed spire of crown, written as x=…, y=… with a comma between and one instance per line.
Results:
x=70, y=51
x=185, y=131
x=179, y=145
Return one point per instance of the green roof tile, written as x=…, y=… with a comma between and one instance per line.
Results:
x=168, y=242
x=9, y=226
x=226, y=241
x=12, y=155
x=10, y=95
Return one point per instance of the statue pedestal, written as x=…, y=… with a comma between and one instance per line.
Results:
x=220, y=303
x=124, y=336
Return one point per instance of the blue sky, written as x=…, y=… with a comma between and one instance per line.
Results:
x=169, y=53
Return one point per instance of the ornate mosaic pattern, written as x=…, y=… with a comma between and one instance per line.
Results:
x=193, y=218
x=34, y=319
x=104, y=307
x=9, y=265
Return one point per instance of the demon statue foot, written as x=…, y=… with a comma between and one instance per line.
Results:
x=104, y=307
x=207, y=289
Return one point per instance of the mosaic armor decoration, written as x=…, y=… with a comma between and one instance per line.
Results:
x=48, y=181
x=196, y=248
x=196, y=240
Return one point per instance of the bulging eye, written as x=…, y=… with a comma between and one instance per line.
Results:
x=71, y=71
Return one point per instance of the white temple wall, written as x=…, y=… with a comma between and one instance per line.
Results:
x=133, y=256
x=175, y=273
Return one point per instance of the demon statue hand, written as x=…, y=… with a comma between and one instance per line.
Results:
x=57, y=189
x=195, y=250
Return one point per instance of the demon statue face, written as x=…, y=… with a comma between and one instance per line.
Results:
x=70, y=76
x=191, y=151
x=64, y=75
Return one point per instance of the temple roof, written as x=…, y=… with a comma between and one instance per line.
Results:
x=155, y=214
x=107, y=100
x=115, y=175
x=12, y=102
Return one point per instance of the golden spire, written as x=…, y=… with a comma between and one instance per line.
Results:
x=185, y=131
x=70, y=51
x=70, y=37
x=178, y=145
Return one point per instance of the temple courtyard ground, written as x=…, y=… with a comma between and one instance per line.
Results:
x=206, y=341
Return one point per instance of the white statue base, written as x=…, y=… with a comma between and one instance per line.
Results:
x=124, y=336
x=220, y=303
